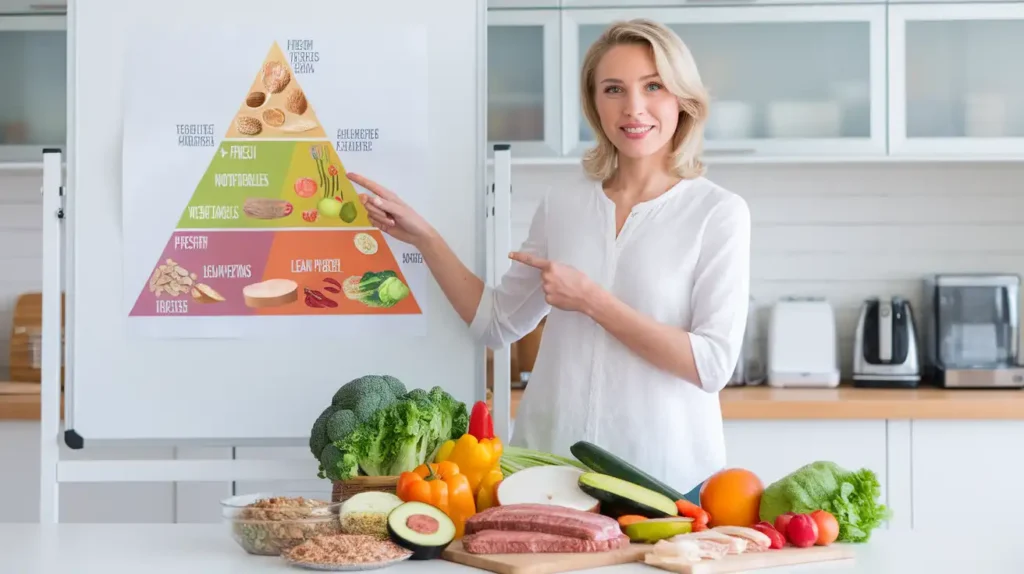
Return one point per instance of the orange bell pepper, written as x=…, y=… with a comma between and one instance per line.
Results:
x=440, y=485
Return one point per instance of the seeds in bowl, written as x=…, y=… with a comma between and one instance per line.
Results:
x=269, y=526
x=343, y=549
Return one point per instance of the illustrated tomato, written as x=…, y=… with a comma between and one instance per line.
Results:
x=310, y=215
x=305, y=187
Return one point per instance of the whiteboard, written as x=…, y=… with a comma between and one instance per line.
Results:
x=238, y=390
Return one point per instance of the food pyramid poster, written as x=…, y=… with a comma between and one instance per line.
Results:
x=274, y=228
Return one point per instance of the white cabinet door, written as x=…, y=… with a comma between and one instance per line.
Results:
x=34, y=86
x=523, y=75
x=784, y=80
x=955, y=86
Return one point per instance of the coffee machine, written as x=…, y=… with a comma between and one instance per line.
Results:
x=885, y=353
x=973, y=331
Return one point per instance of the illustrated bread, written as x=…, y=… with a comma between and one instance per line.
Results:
x=270, y=293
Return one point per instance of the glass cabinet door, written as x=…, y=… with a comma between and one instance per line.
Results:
x=784, y=80
x=956, y=86
x=33, y=88
x=523, y=74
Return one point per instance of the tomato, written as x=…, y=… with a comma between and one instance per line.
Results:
x=305, y=187
x=828, y=527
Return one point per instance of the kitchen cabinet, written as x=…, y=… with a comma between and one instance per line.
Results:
x=521, y=4
x=34, y=86
x=523, y=81
x=953, y=90
x=973, y=462
x=793, y=80
x=35, y=7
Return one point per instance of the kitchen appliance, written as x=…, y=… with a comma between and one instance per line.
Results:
x=973, y=331
x=885, y=352
x=802, y=343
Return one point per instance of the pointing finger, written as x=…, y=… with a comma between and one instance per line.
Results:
x=527, y=259
x=371, y=185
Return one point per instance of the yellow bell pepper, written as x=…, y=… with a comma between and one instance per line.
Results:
x=475, y=457
x=488, y=494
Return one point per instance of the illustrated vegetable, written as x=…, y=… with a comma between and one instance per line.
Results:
x=475, y=456
x=515, y=459
x=440, y=485
x=850, y=496
x=376, y=288
x=487, y=494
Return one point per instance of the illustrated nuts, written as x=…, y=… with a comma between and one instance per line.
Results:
x=274, y=117
x=255, y=99
x=170, y=278
x=248, y=126
x=275, y=76
x=296, y=103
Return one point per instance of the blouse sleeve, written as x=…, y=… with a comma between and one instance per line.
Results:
x=721, y=294
x=515, y=307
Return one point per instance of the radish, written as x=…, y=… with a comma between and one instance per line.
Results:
x=554, y=485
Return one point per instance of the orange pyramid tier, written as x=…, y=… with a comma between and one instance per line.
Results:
x=275, y=107
x=288, y=272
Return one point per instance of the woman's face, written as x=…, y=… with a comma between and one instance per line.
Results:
x=638, y=114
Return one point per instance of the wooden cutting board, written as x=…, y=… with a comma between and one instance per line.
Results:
x=555, y=563
x=543, y=563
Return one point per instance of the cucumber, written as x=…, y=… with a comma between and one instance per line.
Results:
x=619, y=497
x=600, y=460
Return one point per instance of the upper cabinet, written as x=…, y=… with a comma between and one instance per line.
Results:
x=953, y=86
x=835, y=80
x=34, y=85
x=784, y=80
x=524, y=81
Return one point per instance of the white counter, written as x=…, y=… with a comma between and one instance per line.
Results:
x=204, y=548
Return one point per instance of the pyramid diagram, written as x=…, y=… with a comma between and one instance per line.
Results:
x=274, y=227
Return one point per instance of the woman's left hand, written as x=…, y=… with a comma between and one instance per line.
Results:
x=565, y=287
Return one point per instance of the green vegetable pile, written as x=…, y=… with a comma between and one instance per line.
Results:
x=376, y=288
x=850, y=496
x=375, y=427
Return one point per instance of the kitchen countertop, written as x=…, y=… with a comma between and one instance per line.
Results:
x=201, y=548
x=847, y=402
x=765, y=403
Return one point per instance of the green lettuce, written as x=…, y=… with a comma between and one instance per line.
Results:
x=850, y=496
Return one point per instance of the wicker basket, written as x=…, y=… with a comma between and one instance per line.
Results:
x=345, y=489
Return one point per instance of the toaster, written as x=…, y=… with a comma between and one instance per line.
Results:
x=885, y=353
x=802, y=344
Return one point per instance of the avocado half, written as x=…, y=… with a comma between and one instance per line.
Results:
x=422, y=528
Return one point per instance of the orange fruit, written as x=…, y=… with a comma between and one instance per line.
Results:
x=732, y=497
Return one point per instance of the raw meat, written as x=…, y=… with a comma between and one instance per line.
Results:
x=545, y=519
x=520, y=542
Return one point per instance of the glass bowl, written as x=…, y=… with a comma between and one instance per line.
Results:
x=267, y=523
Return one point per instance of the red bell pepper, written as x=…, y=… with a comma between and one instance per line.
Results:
x=480, y=424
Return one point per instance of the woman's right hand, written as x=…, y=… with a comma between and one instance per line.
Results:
x=390, y=214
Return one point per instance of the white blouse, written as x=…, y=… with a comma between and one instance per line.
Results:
x=682, y=258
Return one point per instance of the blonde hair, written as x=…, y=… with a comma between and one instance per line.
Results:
x=678, y=72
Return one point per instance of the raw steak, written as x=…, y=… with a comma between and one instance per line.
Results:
x=513, y=542
x=547, y=519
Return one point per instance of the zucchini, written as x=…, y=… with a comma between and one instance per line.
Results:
x=600, y=460
x=619, y=497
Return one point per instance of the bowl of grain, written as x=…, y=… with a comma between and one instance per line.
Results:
x=268, y=524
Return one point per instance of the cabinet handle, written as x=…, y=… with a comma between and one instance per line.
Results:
x=48, y=7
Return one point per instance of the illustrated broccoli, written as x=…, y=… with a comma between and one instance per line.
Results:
x=376, y=288
x=353, y=403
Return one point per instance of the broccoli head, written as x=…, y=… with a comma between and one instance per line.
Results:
x=367, y=394
x=318, y=438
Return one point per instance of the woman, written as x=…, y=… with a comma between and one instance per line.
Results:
x=643, y=273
